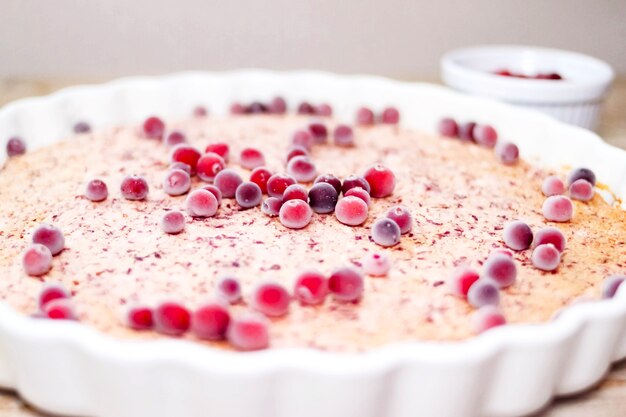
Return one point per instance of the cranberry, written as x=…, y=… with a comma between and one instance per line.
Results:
x=50, y=236
x=448, y=127
x=351, y=211
x=173, y=222
x=296, y=150
x=482, y=293
x=60, y=309
x=402, y=216
x=364, y=116
x=81, y=127
x=134, y=188
x=360, y=193
x=558, y=208
x=502, y=251
x=323, y=198
x=260, y=176
x=220, y=148
x=176, y=182
x=215, y=191
x=486, y=318
x=486, y=135
x=306, y=108
x=278, y=105
x=386, y=232
x=381, y=180
x=343, y=135
x=51, y=291
x=180, y=165
x=376, y=264
x=550, y=235
x=302, y=138
x=251, y=158
x=611, y=285
x=201, y=203
x=257, y=107
x=330, y=179
x=295, y=214
x=552, y=185
x=229, y=289
x=153, y=128
x=271, y=206
x=501, y=270
x=507, y=153
x=175, y=137
x=186, y=154
x=466, y=131
x=237, y=108
x=517, y=235
x=271, y=299
x=171, y=318
x=324, y=110
x=37, y=260
x=16, y=146
x=346, y=284
x=199, y=111
x=278, y=183
x=227, y=180
x=319, y=132
x=461, y=279
x=295, y=192
x=248, y=195
x=352, y=181
x=310, y=288
x=581, y=173
x=302, y=169
x=210, y=321
x=139, y=317
x=581, y=190
x=546, y=257
x=96, y=190
x=249, y=331
x=209, y=165
x=390, y=116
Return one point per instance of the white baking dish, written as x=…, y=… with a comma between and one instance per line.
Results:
x=69, y=368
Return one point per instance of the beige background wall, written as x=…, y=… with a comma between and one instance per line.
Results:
x=102, y=38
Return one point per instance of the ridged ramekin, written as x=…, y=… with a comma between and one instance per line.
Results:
x=69, y=368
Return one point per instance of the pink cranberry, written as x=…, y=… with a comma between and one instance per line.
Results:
x=249, y=331
x=376, y=264
x=352, y=181
x=552, y=185
x=201, y=203
x=319, y=131
x=278, y=105
x=402, y=216
x=60, y=309
x=381, y=180
x=251, y=158
x=351, y=211
x=295, y=192
x=546, y=257
x=500, y=269
x=215, y=191
x=51, y=291
x=390, y=116
x=210, y=321
x=153, y=128
x=507, y=153
x=81, y=128
x=50, y=236
x=173, y=222
x=186, y=154
x=271, y=299
x=558, y=208
x=486, y=135
x=180, y=165
x=311, y=288
x=199, y=111
x=295, y=214
x=96, y=190
x=486, y=318
x=302, y=138
x=324, y=110
x=176, y=182
x=260, y=176
x=343, y=135
x=209, y=165
x=220, y=148
x=37, y=260
x=517, y=235
x=171, y=318
x=482, y=293
x=134, y=188
x=346, y=284
x=139, y=317
x=550, y=235
x=461, y=279
x=173, y=138
x=448, y=127
x=16, y=146
x=364, y=116
x=306, y=108
x=278, y=183
x=360, y=193
x=302, y=169
x=271, y=206
x=296, y=151
x=227, y=180
x=229, y=289
x=581, y=190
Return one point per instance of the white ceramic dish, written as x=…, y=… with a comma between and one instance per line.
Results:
x=576, y=100
x=69, y=368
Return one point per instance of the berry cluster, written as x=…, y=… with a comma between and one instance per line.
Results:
x=366, y=117
x=548, y=243
x=558, y=207
x=55, y=302
x=278, y=105
x=47, y=241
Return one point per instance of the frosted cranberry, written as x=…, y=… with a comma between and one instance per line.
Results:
x=248, y=331
x=173, y=138
x=346, y=284
x=227, y=180
x=81, y=127
x=550, y=235
x=209, y=165
x=502, y=251
x=402, y=216
x=220, y=148
x=501, y=269
x=134, y=188
x=466, y=131
x=461, y=279
x=201, y=203
x=60, y=309
x=558, y=208
x=256, y=107
x=330, y=179
x=295, y=192
x=351, y=211
x=486, y=318
x=199, y=111
x=271, y=299
x=390, y=116
x=96, y=190
x=581, y=190
x=486, y=135
x=517, y=235
x=552, y=185
x=546, y=257
x=278, y=105
x=180, y=165
x=507, y=153
x=278, y=183
x=271, y=206
x=16, y=146
x=153, y=128
x=229, y=289
x=611, y=285
x=37, y=260
x=186, y=154
x=381, y=180
x=324, y=110
x=483, y=292
x=210, y=321
x=173, y=222
x=237, y=108
x=296, y=151
x=302, y=169
x=295, y=214
x=343, y=135
x=251, y=158
x=323, y=198
x=376, y=264
x=306, y=108
x=581, y=174
x=448, y=127
x=319, y=132
x=386, y=232
x=352, y=181
x=139, y=317
x=360, y=193
x=51, y=291
x=171, y=318
x=215, y=191
x=364, y=116
x=310, y=288
x=176, y=182
x=248, y=195
x=260, y=176
x=302, y=138
x=49, y=236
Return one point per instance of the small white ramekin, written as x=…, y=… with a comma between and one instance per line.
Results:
x=577, y=99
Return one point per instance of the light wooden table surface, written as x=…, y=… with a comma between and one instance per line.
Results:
x=606, y=400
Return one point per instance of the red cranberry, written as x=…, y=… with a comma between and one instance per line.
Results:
x=278, y=183
x=51, y=291
x=581, y=173
x=343, y=135
x=60, y=309
x=180, y=165
x=201, y=203
x=324, y=110
x=323, y=198
x=16, y=146
x=229, y=289
x=153, y=128
x=391, y=116
x=271, y=206
x=260, y=176
x=296, y=150
x=302, y=169
x=278, y=105
x=139, y=317
x=50, y=236
x=215, y=191
x=248, y=331
x=486, y=135
x=486, y=318
x=346, y=284
x=352, y=181
x=364, y=116
x=173, y=222
x=483, y=292
x=385, y=232
x=306, y=108
x=251, y=158
x=507, y=153
x=176, y=182
x=37, y=260
x=271, y=299
x=558, y=208
x=550, y=235
x=175, y=137
x=96, y=190
x=360, y=193
x=257, y=107
x=448, y=127
x=209, y=165
x=310, y=288
x=295, y=192
x=461, y=280
x=302, y=138
x=171, y=318
x=295, y=214
x=402, y=216
x=210, y=321
x=134, y=188
x=187, y=155
x=581, y=190
x=351, y=211
x=220, y=148
x=501, y=270
x=227, y=180
x=552, y=185
x=381, y=180
x=319, y=131
x=237, y=108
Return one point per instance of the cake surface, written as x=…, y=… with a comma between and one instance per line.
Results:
x=459, y=195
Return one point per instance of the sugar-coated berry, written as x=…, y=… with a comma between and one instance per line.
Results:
x=278, y=183
x=180, y=165
x=278, y=105
x=271, y=299
x=215, y=191
x=558, y=208
x=201, y=203
x=16, y=146
x=96, y=190
x=260, y=176
x=37, y=260
x=483, y=292
x=448, y=127
x=461, y=279
x=173, y=138
x=500, y=269
x=237, y=108
x=176, y=182
x=229, y=289
x=352, y=181
x=402, y=216
x=517, y=235
x=302, y=169
x=50, y=236
x=502, y=251
x=546, y=257
x=186, y=154
x=552, y=185
x=324, y=110
x=302, y=137
x=295, y=192
x=248, y=195
x=581, y=190
x=364, y=116
x=351, y=211
x=271, y=206
x=346, y=284
x=466, y=131
x=386, y=232
x=249, y=331
x=376, y=264
x=310, y=288
x=51, y=291
x=81, y=127
x=209, y=165
x=139, y=317
x=306, y=108
x=486, y=318
x=153, y=128
x=390, y=115
x=220, y=148
x=256, y=107
x=611, y=285
x=173, y=222
x=251, y=158
x=295, y=214
x=323, y=198
x=381, y=179
x=227, y=180
x=199, y=111
x=319, y=132
x=343, y=135
x=210, y=320
x=507, y=153
x=330, y=179
x=581, y=173
x=486, y=135
x=550, y=235
x=296, y=150
x=360, y=193
x=60, y=309
x=171, y=318
x=134, y=188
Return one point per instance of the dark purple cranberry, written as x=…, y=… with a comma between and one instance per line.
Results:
x=466, y=131
x=352, y=181
x=16, y=146
x=82, y=127
x=256, y=107
x=330, y=179
x=306, y=108
x=323, y=197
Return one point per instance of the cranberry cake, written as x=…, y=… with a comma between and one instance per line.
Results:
x=274, y=229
